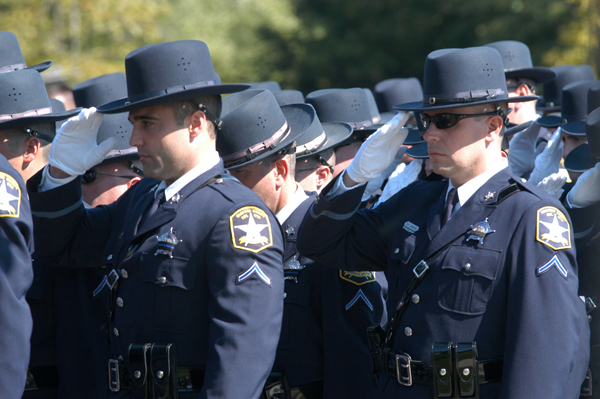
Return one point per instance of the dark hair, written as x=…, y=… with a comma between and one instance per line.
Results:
x=211, y=105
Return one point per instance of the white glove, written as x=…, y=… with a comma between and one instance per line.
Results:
x=586, y=190
x=548, y=161
x=379, y=150
x=375, y=184
x=521, y=153
x=553, y=184
x=74, y=149
x=402, y=177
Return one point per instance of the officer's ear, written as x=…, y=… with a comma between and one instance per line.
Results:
x=281, y=170
x=197, y=124
x=495, y=125
x=32, y=149
x=324, y=175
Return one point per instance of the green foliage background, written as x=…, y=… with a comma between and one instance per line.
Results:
x=302, y=44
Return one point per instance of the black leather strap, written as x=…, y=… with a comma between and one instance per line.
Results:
x=43, y=377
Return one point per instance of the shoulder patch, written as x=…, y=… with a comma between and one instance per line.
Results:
x=553, y=228
x=10, y=197
x=251, y=229
x=358, y=278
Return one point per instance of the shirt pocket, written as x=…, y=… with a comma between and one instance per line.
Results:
x=296, y=315
x=467, y=279
x=166, y=298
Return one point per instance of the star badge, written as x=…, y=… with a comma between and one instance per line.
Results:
x=490, y=195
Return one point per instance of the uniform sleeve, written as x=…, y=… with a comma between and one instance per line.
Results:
x=16, y=275
x=547, y=333
x=352, y=302
x=245, y=279
x=65, y=232
x=353, y=239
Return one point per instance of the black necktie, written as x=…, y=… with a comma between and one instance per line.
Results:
x=450, y=204
x=158, y=200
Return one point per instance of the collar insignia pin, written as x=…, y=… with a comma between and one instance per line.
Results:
x=290, y=230
x=176, y=198
x=489, y=195
x=167, y=243
x=480, y=230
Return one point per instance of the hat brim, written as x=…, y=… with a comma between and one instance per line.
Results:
x=413, y=138
x=297, y=129
x=124, y=105
x=336, y=133
x=549, y=121
x=541, y=108
x=537, y=74
x=418, y=151
x=38, y=119
x=576, y=128
x=579, y=160
x=512, y=130
x=41, y=67
x=120, y=158
x=420, y=106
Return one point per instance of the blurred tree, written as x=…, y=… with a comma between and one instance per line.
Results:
x=84, y=38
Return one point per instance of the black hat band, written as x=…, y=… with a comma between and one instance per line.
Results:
x=33, y=112
x=312, y=146
x=257, y=149
x=169, y=90
x=10, y=68
x=468, y=97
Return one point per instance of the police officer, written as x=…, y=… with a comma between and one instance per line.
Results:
x=480, y=266
x=193, y=258
x=323, y=351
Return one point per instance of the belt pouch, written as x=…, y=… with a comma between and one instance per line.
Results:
x=441, y=359
x=466, y=369
x=138, y=357
x=276, y=387
x=163, y=360
x=376, y=339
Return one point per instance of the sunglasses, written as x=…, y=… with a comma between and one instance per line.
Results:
x=90, y=176
x=445, y=121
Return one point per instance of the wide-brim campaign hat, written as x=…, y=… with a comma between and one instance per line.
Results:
x=457, y=78
x=255, y=127
x=285, y=97
x=266, y=85
x=100, y=90
x=350, y=106
x=117, y=126
x=395, y=91
x=551, y=99
x=414, y=137
x=418, y=151
x=24, y=101
x=516, y=58
x=579, y=160
x=592, y=131
x=166, y=72
x=375, y=117
x=321, y=137
x=574, y=99
x=11, y=56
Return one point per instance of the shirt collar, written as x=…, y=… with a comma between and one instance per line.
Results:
x=290, y=207
x=207, y=163
x=467, y=190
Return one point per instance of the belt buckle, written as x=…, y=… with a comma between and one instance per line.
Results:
x=420, y=269
x=114, y=382
x=403, y=371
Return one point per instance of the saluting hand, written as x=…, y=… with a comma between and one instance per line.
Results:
x=377, y=152
x=586, y=191
x=548, y=161
x=74, y=149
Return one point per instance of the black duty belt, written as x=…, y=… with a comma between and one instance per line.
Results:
x=407, y=371
x=277, y=387
x=120, y=377
x=43, y=377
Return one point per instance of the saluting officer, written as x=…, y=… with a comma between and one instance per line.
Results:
x=323, y=350
x=481, y=268
x=193, y=258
